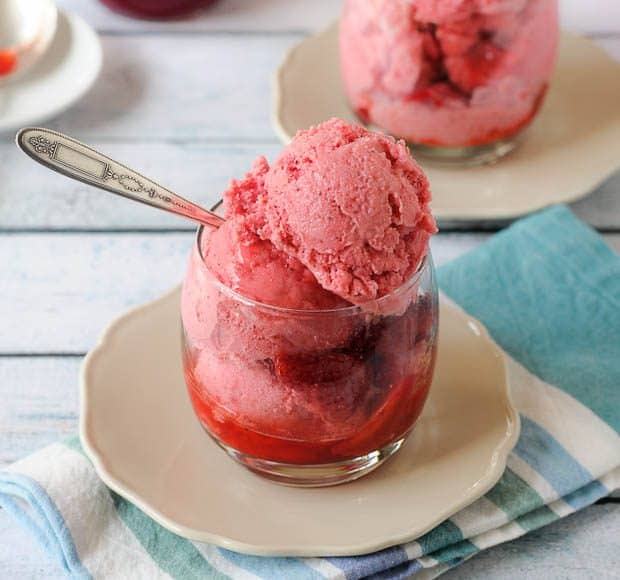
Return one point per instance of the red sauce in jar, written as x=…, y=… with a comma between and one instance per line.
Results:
x=157, y=9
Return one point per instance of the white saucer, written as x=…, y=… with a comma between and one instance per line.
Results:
x=62, y=76
x=138, y=428
x=572, y=146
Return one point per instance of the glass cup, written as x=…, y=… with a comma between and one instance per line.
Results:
x=308, y=397
x=458, y=80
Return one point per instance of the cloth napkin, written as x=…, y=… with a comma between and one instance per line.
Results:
x=548, y=290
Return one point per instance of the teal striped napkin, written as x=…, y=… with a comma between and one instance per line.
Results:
x=548, y=290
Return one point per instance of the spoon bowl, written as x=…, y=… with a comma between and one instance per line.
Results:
x=27, y=29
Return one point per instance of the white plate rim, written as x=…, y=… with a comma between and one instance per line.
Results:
x=75, y=22
x=495, y=469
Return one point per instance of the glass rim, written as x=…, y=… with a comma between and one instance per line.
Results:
x=424, y=264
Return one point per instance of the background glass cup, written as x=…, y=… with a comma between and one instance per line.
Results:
x=308, y=397
x=458, y=80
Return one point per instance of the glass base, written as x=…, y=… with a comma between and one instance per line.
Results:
x=318, y=475
x=464, y=156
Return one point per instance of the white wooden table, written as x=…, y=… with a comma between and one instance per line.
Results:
x=188, y=103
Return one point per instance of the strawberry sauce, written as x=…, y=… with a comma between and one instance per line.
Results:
x=8, y=62
x=389, y=422
x=327, y=405
x=157, y=9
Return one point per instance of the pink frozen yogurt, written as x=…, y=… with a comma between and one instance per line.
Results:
x=340, y=218
x=349, y=204
x=448, y=73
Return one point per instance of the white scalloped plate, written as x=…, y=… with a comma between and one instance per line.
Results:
x=572, y=146
x=138, y=428
x=62, y=76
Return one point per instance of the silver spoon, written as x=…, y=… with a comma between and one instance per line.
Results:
x=82, y=163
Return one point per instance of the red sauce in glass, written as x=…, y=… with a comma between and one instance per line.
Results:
x=391, y=421
x=430, y=94
x=8, y=62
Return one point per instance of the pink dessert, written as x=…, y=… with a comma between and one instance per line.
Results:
x=448, y=73
x=310, y=315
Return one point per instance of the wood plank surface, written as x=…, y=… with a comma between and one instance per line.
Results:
x=180, y=87
x=39, y=404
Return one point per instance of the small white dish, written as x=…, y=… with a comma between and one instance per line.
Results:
x=26, y=32
x=138, y=428
x=69, y=67
x=572, y=146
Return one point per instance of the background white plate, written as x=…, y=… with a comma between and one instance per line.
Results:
x=62, y=76
x=138, y=428
x=572, y=146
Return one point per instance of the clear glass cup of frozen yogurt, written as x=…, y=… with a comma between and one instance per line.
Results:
x=310, y=315
x=458, y=79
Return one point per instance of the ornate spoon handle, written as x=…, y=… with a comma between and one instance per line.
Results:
x=78, y=161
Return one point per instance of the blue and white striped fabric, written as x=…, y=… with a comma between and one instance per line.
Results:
x=548, y=290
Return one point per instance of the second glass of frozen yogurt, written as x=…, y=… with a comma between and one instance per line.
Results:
x=458, y=79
